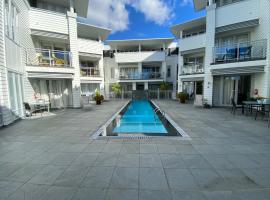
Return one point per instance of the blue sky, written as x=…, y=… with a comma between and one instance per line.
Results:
x=133, y=19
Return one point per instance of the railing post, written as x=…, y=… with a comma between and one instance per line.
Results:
x=238, y=51
x=50, y=57
x=158, y=94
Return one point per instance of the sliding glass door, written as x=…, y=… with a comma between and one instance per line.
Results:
x=15, y=94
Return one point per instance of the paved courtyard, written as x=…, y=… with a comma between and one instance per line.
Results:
x=54, y=158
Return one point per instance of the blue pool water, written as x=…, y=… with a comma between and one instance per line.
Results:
x=140, y=118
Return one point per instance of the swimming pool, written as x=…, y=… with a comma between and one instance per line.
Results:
x=140, y=118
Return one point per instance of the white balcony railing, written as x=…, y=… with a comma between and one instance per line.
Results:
x=246, y=51
x=90, y=72
x=48, y=58
x=192, y=69
x=139, y=76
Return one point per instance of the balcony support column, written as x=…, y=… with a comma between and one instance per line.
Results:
x=145, y=85
x=140, y=69
x=163, y=70
x=76, y=89
x=134, y=86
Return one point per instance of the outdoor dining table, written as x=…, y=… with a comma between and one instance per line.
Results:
x=251, y=104
x=46, y=104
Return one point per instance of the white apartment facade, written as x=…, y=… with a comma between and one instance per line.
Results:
x=141, y=64
x=48, y=52
x=225, y=55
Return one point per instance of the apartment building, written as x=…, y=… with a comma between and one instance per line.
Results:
x=225, y=55
x=48, y=51
x=141, y=64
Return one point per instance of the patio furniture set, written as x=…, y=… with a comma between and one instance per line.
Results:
x=249, y=107
x=37, y=107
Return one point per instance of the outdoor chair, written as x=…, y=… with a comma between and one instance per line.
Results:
x=234, y=106
x=265, y=111
x=85, y=102
x=28, y=109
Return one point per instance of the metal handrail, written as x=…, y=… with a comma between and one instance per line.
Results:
x=47, y=57
x=241, y=51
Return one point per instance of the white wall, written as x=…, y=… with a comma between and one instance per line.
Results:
x=237, y=12
x=136, y=57
x=193, y=42
x=48, y=21
x=90, y=46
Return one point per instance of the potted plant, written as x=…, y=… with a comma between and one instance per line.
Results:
x=116, y=88
x=205, y=103
x=98, y=97
x=164, y=86
x=182, y=96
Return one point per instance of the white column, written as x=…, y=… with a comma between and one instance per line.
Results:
x=134, y=86
x=163, y=70
x=140, y=68
x=76, y=91
x=210, y=38
x=180, y=68
x=145, y=85
x=71, y=5
x=140, y=48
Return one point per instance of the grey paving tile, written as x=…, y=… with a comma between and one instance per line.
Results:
x=166, y=148
x=64, y=158
x=128, y=160
x=260, y=176
x=252, y=194
x=209, y=179
x=29, y=192
x=107, y=159
x=220, y=161
x=25, y=173
x=148, y=148
x=85, y=159
x=48, y=175
x=112, y=148
x=155, y=195
x=180, y=179
x=7, y=169
x=152, y=179
x=195, y=162
x=59, y=193
x=188, y=195
x=130, y=148
x=98, y=177
x=172, y=161
x=125, y=178
x=220, y=195
x=90, y=193
x=72, y=176
x=7, y=188
x=186, y=149
x=126, y=194
x=94, y=147
x=242, y=161
x=150, y=160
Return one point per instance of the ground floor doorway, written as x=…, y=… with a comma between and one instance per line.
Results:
x=57, y=92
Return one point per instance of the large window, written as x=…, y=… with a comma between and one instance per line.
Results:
x=15, y=93
x=89, y=88
x=11, y=20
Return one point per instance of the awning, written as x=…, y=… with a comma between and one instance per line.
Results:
x=49, y=34
x=237, y=26
x=49, y=75
x=238, y=70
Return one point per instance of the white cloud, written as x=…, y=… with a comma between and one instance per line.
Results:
x=154, y=10
x=186, y=2
x=108, y=13
x=114, y=14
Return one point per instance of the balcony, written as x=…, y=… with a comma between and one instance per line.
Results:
x=193, y=42
x=48, y=21
x=240, y=52
x=90, y=72
x=236, y=11
x=140, y=76
x=48, y=58
x=143, y=56
x=191, y=69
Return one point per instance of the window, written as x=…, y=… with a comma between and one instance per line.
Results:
x=168, y=71
x=15, y=93
x=11, y=20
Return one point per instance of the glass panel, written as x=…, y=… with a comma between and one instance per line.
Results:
x=12, y=97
